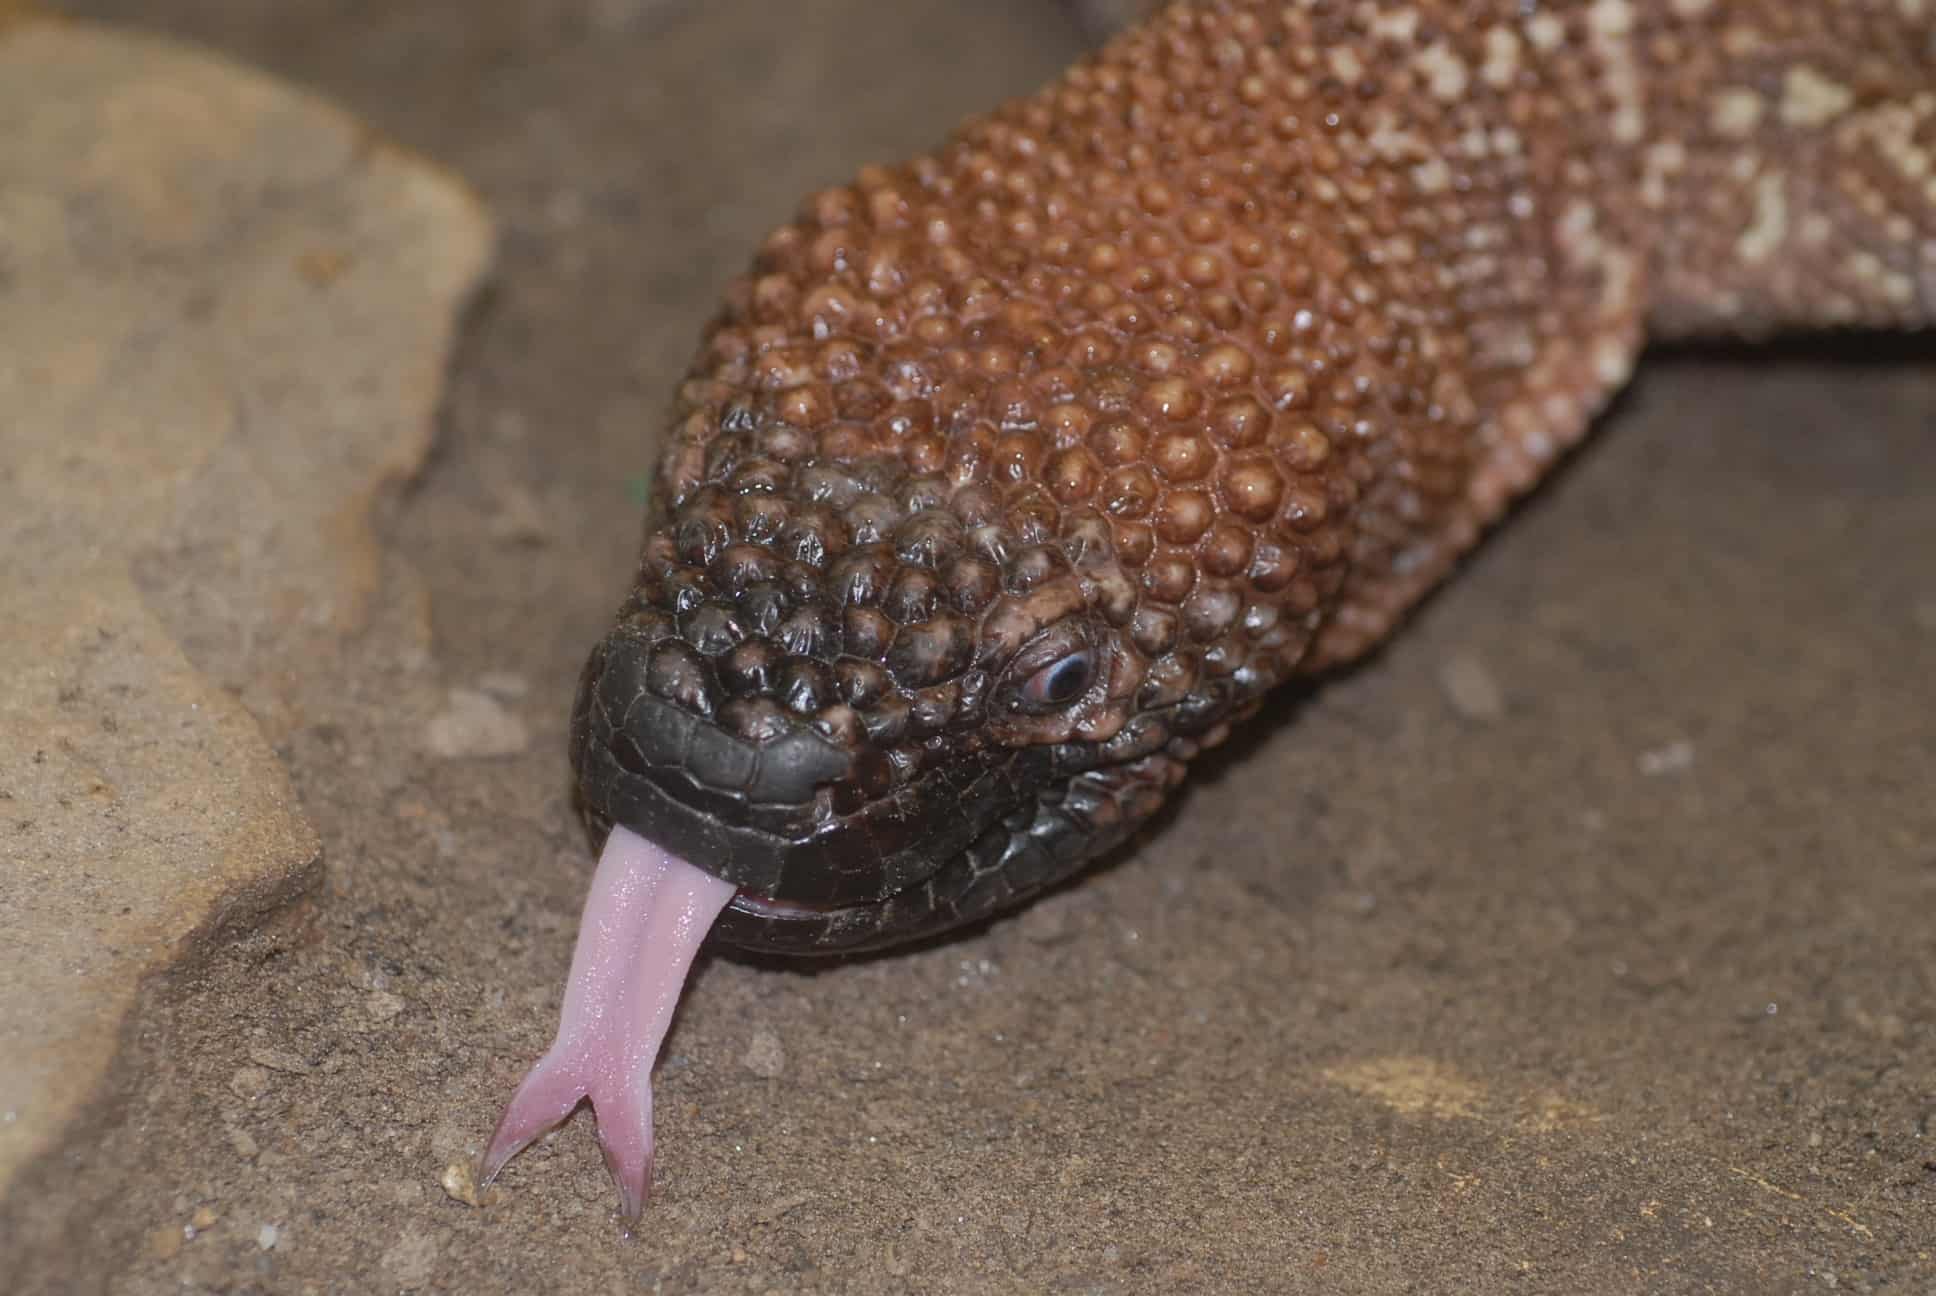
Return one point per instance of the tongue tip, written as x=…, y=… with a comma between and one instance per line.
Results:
x=634, y=1184
x=624, y=1117
x=547, y=1096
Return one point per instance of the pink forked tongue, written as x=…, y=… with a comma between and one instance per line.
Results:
x=644, y=920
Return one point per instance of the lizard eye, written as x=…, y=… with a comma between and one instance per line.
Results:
x=1061, y=682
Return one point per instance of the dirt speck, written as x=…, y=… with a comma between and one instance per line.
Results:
x=474, y=723
x=411, y=1261
x=764, y=1055
x=1676, y=757
x=383, y=1006
x=1412, y=1086
x=1471, y=688
x=249, y=1083
x=280, y=1060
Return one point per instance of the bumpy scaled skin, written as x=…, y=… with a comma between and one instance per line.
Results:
x=1011, y=476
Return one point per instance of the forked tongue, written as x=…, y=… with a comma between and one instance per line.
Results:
x=644, y=920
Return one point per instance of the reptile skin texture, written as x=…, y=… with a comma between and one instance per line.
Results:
x=1008, y=478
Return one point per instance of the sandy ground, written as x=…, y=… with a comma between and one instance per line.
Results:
x=1581, y=941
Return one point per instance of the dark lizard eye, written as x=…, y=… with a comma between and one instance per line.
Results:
x=1061, y=682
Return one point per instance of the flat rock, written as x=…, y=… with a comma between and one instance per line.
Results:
x=225, y=310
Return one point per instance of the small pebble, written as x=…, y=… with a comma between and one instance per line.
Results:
x=565, y=208
x=1471, y=689
x=166, y=1243
x=776, y=1209
x=1671, y=758
x=518, y=519
x=280, y=1060
x=323, y=266
x=459, y=1182
x=411, y=1261
x=249, y=1082
x=267, y=1236
x=764, y=1055
x=1045, y=922
x=508, y=685
x=204, y=1218
x=244, y=1144
x=475, y=724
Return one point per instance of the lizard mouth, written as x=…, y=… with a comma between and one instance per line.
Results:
x=764, y=925
x=1006, y=863
x=763, y=907
x=831, y=849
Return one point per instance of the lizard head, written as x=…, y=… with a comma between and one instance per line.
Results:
x=890, y=666
x=880, y=703
x=954, y=559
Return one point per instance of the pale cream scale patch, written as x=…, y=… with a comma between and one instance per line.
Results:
x=1769, y=227
x=1810, y=100
x=1736, y=112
